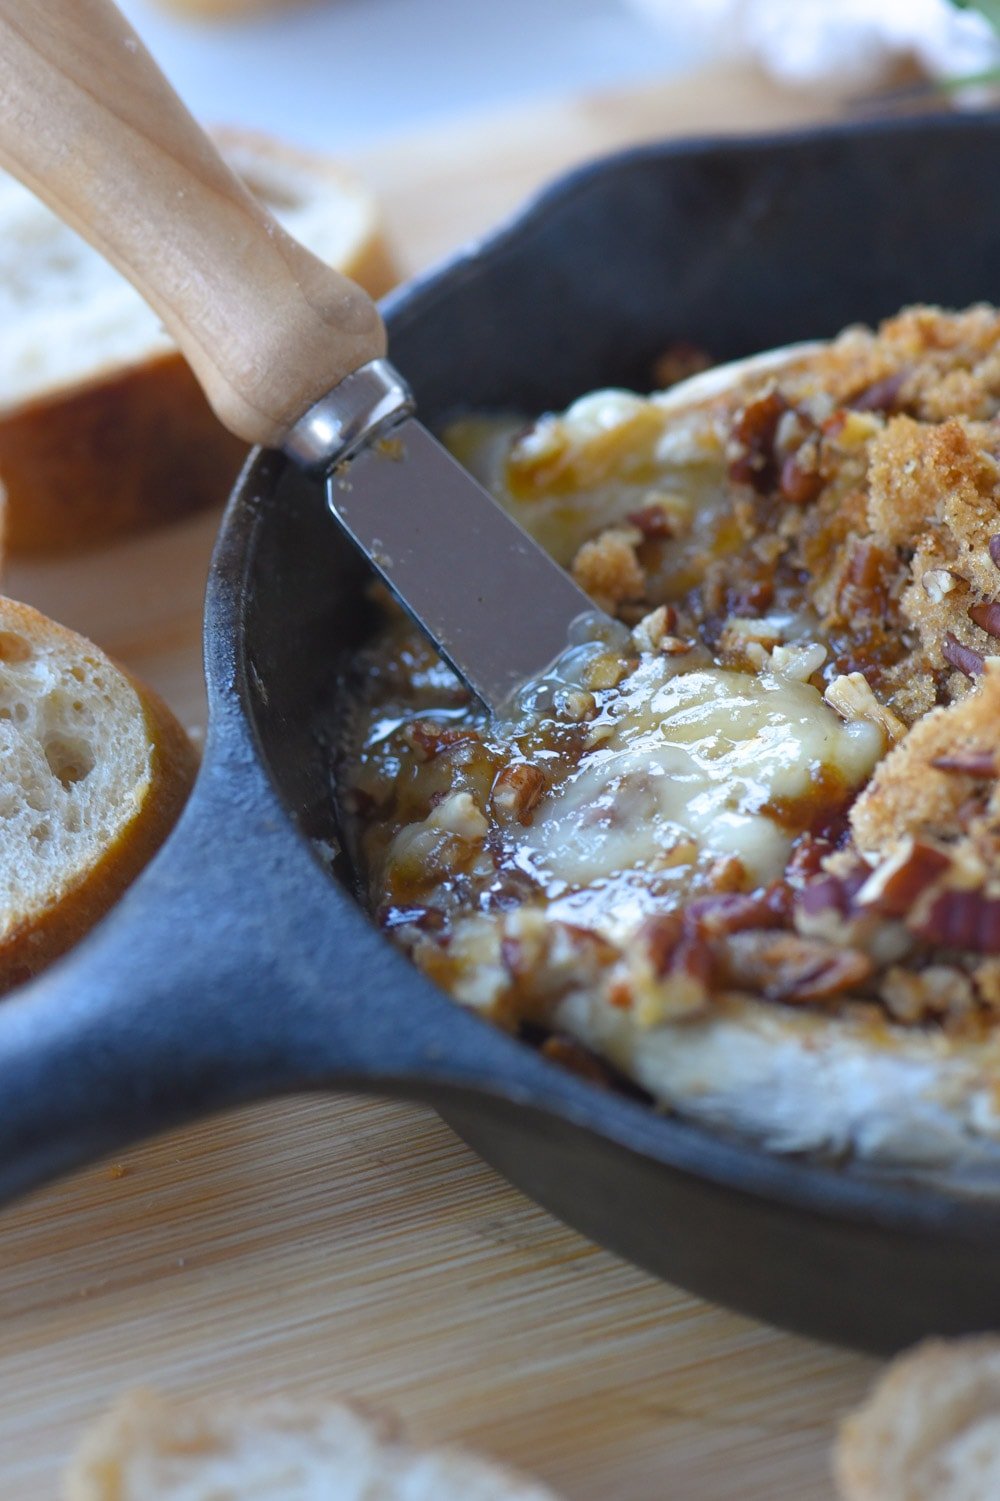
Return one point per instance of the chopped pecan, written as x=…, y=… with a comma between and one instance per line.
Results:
x=972, y=663
x=653, y=521
x=751, y=598
x=852, y=696
x=692, y=960
x=894, y=886
x=575, y=704
x=937, y=583
x=867, y=564
x=784, y=967
x=940, y=989
x=683, y=970
x=825, y=894
x=754, y=432
x=726, y=874
x=987, y=616
x=962, y=920
x=994, y=546
x=808, y=854
x=882, y=395
x=661, y=935
x=970, y=763
x=429, y=739
x=799, y=483
x=518, y=790
x=735, y=912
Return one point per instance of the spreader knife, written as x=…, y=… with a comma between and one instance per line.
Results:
x=289, y=352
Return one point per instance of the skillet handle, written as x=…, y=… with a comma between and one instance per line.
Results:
x=232, y=970
x=90, y=124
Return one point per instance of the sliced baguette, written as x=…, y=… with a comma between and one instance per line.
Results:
x=94, y=770
x=930, y=1429
x=274, y=1449
x=103, y=429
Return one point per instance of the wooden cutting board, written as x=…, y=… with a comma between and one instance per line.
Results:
x=344, y=1245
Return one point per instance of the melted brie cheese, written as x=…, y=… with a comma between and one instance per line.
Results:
x=570, y=474
x=688, y=768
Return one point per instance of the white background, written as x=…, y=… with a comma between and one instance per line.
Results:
x=338, y=74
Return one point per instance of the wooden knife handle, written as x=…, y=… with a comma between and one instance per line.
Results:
x=89, y=123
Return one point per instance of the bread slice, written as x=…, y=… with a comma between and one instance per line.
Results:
x=94, y=770
x=273, y=1449
x=930, y=1430
x=103, y=429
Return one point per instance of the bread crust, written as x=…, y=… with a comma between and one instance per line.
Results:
x=153, y=1447
x=45, y=934
x=137, y=446
x=929, y=1429
x=130, y=450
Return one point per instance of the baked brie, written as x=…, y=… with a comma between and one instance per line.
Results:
x=747, y=857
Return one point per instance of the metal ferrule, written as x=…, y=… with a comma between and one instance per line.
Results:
x=362, y=406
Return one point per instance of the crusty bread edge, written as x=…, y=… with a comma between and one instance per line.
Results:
x=925, y=1391
x=135, y=449
x=137, y=445
x=143, y=1415
x=37, y=941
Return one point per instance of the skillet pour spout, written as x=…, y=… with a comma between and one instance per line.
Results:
x=239, y=966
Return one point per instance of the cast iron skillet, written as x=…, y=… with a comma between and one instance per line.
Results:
x=240, y=967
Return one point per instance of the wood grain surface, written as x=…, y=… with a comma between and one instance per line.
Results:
x=344, y=1245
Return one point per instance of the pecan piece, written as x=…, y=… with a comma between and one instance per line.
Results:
x=799, y=484
x=994, y=546
x=661, y=935
x=970, y=763
x=429, y=739
x=736, y=912
x=882, y=395
x=938, y=583
x=754, y=432
x=987, y=617
x=962, y=920
x=972, y=663
x=518, y=790
x=653, y=522
x=852, y=696
x=894, y=886
x=784, y=967
x=825, y=894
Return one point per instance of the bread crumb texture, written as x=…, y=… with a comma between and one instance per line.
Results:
x=930, y=1430
x=274, y=1449
x=93, y=770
